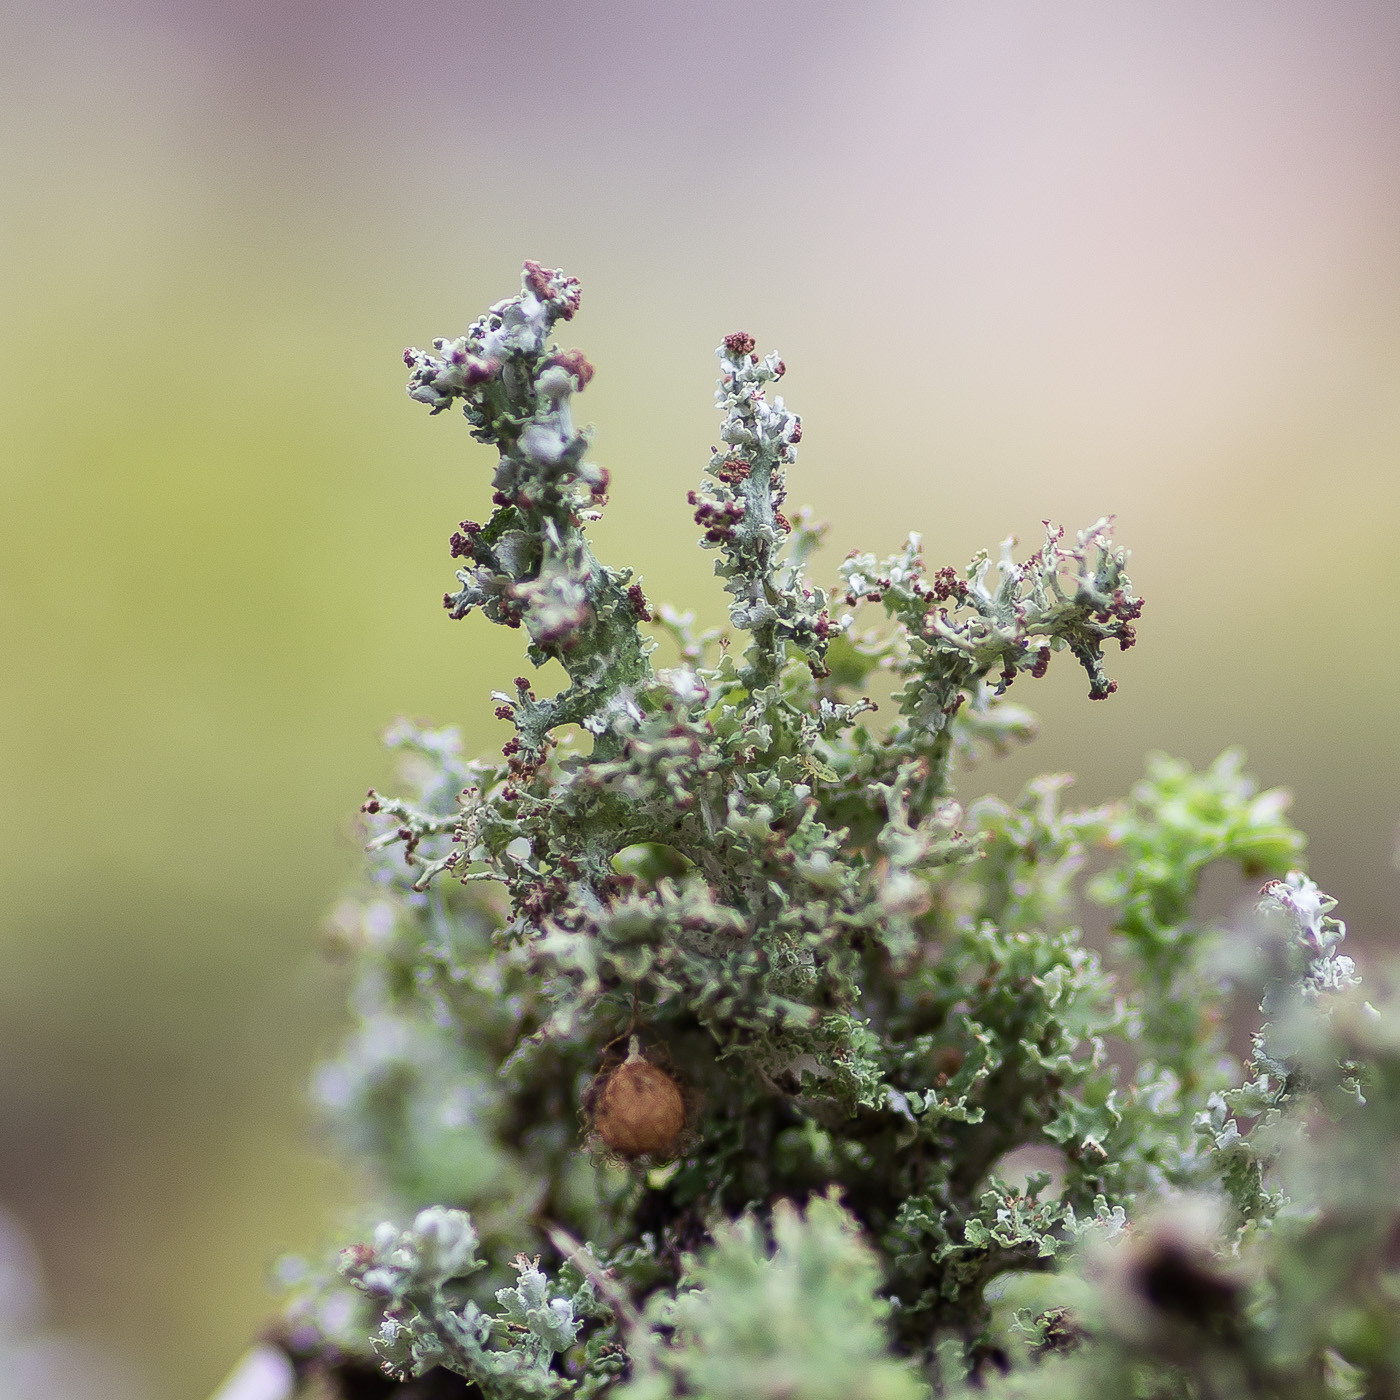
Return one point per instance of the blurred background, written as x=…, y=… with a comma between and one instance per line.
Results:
x=1024, y=260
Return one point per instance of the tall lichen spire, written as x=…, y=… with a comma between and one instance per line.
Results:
x=531, y=564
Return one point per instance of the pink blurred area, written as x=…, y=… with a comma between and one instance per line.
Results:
x=1023, y=260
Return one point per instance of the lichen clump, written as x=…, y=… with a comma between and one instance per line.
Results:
x=910, y=1133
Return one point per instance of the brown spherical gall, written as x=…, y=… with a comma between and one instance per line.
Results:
x=638, y=1110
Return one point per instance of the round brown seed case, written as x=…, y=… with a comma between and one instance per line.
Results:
x=638, y=1110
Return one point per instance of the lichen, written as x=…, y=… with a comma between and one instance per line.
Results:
x=875, y=999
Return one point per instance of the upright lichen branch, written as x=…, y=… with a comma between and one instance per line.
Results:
x=531, y=562
x=741, y=513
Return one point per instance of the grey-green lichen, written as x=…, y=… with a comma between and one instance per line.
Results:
x=871, y=995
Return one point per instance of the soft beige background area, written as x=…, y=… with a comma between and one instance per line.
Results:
x=1023, y=260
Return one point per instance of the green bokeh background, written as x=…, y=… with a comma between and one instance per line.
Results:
x=1023, y=260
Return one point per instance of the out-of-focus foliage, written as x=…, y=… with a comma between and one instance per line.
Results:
x=866, y=996
x=804, y=1319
